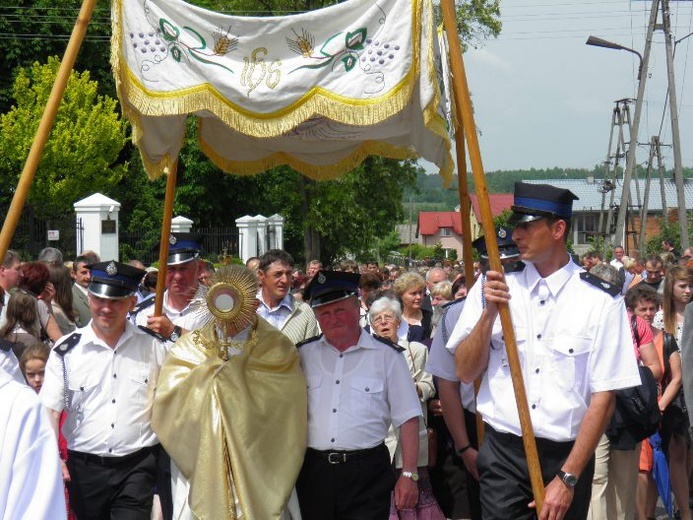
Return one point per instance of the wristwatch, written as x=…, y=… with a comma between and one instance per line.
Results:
x=411, y=475
x=175, y=335
x=568, y=479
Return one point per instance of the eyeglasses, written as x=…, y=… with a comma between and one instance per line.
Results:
x=384, y=318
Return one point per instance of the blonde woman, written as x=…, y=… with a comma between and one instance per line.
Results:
x=416, y=322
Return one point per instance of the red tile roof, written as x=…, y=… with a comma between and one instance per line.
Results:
x=498, y=201
x=430, y=222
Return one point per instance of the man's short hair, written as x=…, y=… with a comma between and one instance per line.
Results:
x=655, y=260
x=51, y=255
x=275, y=255
x=369, y=281
x=433, y=270
x=11, y=257
x=81, y=259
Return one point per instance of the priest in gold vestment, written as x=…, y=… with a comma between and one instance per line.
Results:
x=231, y=408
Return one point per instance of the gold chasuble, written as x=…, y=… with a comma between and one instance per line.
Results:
x=235, y=426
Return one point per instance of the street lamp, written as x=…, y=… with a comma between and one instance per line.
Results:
x=620, y=234
x=599, y=42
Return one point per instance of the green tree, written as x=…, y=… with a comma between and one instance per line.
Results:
x=81, y=154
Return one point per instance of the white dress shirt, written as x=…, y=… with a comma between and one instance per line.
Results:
x=109, y=391
x=441, y=362
x=573, y=339
x=354, y=395
x=187, y=318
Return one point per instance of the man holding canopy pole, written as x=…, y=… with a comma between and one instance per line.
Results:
x=575, y=350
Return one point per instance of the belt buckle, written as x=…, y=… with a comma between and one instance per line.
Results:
x=336, y=458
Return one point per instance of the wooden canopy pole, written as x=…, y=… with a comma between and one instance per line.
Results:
x=45, y=126
x=463, y=189
x=165, y=238
x=463, y=107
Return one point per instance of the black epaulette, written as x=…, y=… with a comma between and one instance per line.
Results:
x=453, y=302
x=309, y=340
x=147, y=302
x=388, y=342
x=6, y=345
x=152, y=333
x=67, y=344
x=605, y=286
x=514, y=267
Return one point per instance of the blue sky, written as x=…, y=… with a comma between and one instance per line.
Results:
x=542, y=98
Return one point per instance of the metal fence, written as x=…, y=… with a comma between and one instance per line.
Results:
x=143, y=244
x=31, y=234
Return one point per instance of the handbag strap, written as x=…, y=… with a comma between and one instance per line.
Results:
x=634, y=328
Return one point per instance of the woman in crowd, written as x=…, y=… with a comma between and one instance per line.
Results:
x=22, y=326
x=35, y=279
x=643, y=301
x=416, y=322
x=61, y=304
x=678, y=284
x=385, y=315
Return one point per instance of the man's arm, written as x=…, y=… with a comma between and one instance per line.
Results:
x=54, y=418
x=406, y=490
x=559, y=496
x=471, y=355
x=453, y=413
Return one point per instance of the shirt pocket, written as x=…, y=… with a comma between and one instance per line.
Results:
x=568, y=358
x=365, y=394
x=141, y=387
x=314, y=386
x=79, y=391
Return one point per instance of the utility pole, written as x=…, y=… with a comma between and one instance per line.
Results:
x=620, y=117
x=674, y=116
x=633, y=144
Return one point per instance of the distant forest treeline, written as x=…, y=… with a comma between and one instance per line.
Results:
x=431, y=196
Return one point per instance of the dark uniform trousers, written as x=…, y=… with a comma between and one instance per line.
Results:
x=339, y=485
x=456, y=490
x=505, y=486
x=105, y=488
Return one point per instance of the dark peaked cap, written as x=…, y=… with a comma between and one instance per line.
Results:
x=113, y=280
x=535, y=201
x=506, y=246
x=331, y=286
x=183, y=247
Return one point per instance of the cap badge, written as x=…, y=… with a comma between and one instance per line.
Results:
x=321, y=279
x=111, y=269
x=172, y=240
x=502, y=233
x=606, y=285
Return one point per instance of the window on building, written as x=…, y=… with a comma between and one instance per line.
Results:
x=445, y=232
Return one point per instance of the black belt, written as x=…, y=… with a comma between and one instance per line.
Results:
x=343, y=456
x=111, y=461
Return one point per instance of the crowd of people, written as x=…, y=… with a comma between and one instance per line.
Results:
x=343, y=392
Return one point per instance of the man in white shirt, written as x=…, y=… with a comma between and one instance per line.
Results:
x=103, y=376
x=575, y=350
x=357, y=386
